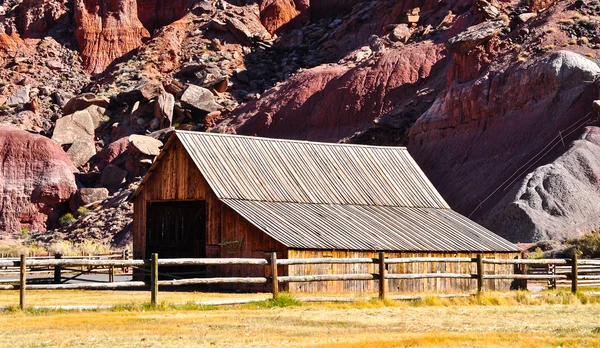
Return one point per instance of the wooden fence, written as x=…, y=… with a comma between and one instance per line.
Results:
x=571, y=270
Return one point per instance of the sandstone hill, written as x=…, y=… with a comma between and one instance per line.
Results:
x=495, y=100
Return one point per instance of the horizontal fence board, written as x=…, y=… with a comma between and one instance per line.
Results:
x=213, y=261
x=428, y=259
x=430, y=275
x=524, y=276
x=527, y=261
x=328, y=277
x=588, y=262
x=76, y=262
x=115, y=285
x=327, y=260
x=228, y=280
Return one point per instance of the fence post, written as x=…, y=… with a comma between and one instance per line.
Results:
x=57, y=270
x=524, y=271
x=274, y=275
x=382, y=284
x=22, y=281
x=479, y=273
x=154, y=279
x=574, y=272
x=111, y=274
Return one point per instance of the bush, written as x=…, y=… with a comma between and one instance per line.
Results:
x=82, y=211
x=66, y=219
x=24, y=233
x=587, y=245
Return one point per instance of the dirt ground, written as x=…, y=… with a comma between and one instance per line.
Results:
x=487, y=322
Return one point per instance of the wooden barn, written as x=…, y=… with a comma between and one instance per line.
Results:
x=215, y=195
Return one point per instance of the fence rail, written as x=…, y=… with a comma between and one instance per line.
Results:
x=552, y=270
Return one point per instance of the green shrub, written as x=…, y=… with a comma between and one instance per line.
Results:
x=24, y=233
x=588, y=245
x=82, y=211
x=66, y=219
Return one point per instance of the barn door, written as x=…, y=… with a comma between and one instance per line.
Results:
x=176, y=230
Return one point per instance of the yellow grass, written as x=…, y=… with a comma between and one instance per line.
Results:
x=509, y=319
x=319, y=325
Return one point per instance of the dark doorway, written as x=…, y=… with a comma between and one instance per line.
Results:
x=176, y=230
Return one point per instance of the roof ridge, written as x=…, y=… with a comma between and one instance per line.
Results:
x=321, y=143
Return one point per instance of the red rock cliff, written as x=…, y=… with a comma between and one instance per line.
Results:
x=107, y=30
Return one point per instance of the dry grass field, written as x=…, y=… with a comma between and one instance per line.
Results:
x=554, y=319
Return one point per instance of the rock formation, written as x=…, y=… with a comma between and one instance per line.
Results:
x=107, y=30
x=36, y=176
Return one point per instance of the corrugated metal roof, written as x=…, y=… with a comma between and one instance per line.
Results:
x=362, y=227
x=310, y=195
x=273, y=170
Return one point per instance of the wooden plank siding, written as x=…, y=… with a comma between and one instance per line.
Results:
x=178, y=179
x=397, y=285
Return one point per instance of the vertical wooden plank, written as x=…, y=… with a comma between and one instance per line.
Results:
x=154, y=279
x=57, y=270
x=274, y=275
x=22, y=281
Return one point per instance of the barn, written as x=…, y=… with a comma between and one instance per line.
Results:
x=217, y=195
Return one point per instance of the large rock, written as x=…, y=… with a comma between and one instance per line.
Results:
x=106, y=31
x=113, y=177
x=82, y=102
x=35, y=176
x=72, y=127
x=85, y=196
x=474, y=36
x=81, y=151
x=37, y=17
x=21, y=96
x=482, y=137
x=165, y=103
x=200, y=99
x=145, y=145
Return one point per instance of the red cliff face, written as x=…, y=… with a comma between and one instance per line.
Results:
x=329, y=103
x=35, y=176
x=107, y=30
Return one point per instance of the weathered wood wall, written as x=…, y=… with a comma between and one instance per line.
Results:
x=177, y=178
x=397, y=285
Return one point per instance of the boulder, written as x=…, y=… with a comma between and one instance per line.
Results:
x=400, y=33
x=240, y=31
x=35, y=176
x=85, y=196
x=72, y=127
x=164, y=109
x=113, y=177
x=145, y=145
x=80, y=102
x=474, y=36
x=81, y=151
x=200, y=99
x=143, y=91
x=20, y=97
